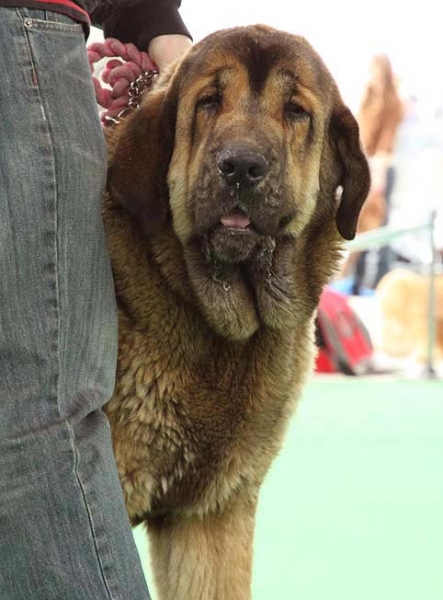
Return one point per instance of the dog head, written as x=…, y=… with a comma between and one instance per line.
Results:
x=244, y=145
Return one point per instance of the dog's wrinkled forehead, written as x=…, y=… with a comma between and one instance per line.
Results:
x=261, y=50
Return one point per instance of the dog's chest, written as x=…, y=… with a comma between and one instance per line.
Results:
x=189, y=416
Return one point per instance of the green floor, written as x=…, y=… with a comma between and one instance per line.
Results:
x=353, y=507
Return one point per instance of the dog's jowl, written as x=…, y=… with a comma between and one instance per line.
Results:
x=229, y=194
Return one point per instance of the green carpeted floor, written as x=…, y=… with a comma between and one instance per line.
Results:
x=353, y=506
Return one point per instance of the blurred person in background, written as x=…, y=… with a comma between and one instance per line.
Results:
x=64, y=531
x=379, y=116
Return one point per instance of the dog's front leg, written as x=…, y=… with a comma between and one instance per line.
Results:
x=204, y=558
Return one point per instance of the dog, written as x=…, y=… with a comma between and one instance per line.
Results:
x=403, y=297
x=229, y=194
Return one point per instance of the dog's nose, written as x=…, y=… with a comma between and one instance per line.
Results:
x=242, y=168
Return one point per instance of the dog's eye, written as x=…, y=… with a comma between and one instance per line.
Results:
x=294, y=111
x=209, y=102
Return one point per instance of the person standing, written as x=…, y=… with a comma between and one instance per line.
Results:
x=64, y=532
x=379, y=116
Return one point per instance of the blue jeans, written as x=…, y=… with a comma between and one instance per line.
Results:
x=64, y=532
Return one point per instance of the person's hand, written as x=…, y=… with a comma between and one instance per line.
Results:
x=164, y=49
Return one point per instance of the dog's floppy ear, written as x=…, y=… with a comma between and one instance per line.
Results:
x=140, y=156
x=355, y=180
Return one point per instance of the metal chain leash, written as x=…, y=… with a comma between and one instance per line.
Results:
x=139, y=86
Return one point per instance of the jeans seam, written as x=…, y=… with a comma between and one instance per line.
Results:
x=30, y=53
x=88, y=511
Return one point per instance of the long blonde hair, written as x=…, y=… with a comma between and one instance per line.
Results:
x=380, y=106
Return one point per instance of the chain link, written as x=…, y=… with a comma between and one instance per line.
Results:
x=139, y=86
x=136, y=90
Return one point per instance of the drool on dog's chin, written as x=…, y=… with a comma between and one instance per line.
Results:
x=232, y=240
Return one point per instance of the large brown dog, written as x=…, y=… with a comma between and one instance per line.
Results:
x=223, y=216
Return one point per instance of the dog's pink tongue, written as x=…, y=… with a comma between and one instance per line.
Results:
x=236, y=221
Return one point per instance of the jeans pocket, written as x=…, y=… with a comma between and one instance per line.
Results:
x=45, y=20
x=52, y=33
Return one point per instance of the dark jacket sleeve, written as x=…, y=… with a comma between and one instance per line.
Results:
x=136, y=21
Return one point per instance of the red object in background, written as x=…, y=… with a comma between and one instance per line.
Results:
x=344, y=342
x=323, y=363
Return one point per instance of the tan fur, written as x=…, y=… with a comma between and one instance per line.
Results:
x=404, y=301
x=216, y=325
